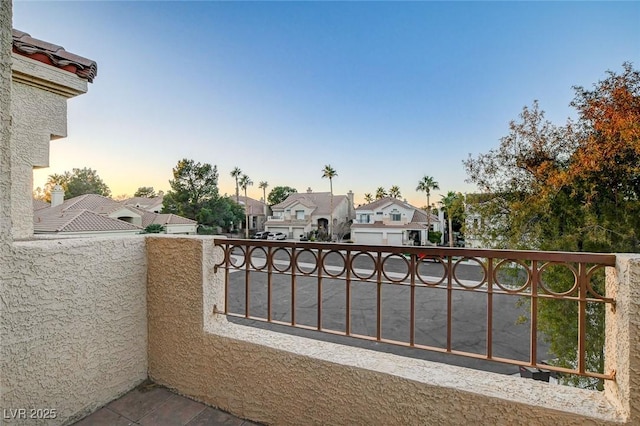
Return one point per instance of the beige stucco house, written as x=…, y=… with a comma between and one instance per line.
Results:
x=389, y=221
x=302, y=213
x=258, y=212
x=93, y=214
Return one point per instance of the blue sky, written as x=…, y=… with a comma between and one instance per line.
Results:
x=385, y=92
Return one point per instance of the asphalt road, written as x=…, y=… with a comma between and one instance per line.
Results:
x=469, y=309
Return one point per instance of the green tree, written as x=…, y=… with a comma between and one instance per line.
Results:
x=280, y=193
x=145, y=191
x=236, y=173
x=221, y=212
x=263, y=185
x=394, y=192
x=77, y=182
x=573, y=187
x=329, y=173
x=244, y=182
x=380, y=193
x=193, y=185
x=368, y=198
x=453, y=206
x=426, y=184
x=154, y=228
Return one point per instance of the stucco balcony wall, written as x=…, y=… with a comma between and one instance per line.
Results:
x=73, y=324
x=282, y=379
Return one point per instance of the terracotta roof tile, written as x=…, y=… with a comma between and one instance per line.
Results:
x=54, y=220
x=52, y=54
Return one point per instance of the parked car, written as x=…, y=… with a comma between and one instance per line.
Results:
x=261, y=235
x=276, y=236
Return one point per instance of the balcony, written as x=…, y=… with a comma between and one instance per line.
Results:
x=90, y=319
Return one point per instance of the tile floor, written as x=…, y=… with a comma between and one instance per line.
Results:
x=150, y=404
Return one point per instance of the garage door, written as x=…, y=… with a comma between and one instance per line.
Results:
x=297, y=232
x=394, y=239
x=275, y=229
x=367, y=237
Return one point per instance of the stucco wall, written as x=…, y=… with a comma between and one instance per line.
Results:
x=5, y=122
x=73, y=324
x=622, y=335
x=289, y=380
x=39, y=108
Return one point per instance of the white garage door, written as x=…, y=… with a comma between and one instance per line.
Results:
x=367, y=237
x=297, y=232
x=274, y=229
x=394, y=239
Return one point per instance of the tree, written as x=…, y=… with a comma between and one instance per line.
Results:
x=244, y=182
x=280, y=193
x=426, y=184
x=453, y=206
x=329, y=172
x=368, y=198
x=574, y=187
x=221, y=212
x=193, y=185
x=394, y=191
x=77, y=182
x=236, y=173
x=145, y=191
x=154, y=228
x=263, y=185
x=380, y=193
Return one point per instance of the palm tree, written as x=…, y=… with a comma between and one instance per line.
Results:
x=380, y=193
x=426, y=184
x=329, y=172
x=236, y=173
x=394, y=191
x=448, y=203
x=263, y=185
x=244, y=182
x=368, y=198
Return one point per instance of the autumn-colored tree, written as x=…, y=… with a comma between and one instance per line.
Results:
x=574, y=187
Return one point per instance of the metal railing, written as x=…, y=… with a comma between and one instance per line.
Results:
x=370, y=292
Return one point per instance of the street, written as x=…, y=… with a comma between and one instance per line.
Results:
x=469, y=309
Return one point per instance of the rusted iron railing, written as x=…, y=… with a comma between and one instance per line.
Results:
x=332, y=287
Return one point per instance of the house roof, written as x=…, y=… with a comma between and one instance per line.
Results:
x=319, y=201
x=54, y=55
x=39, y=204
x=165, y=219
x=93, y=202
x=144, y=203
x=57, y=220
x=419, y=215
x=254, y=207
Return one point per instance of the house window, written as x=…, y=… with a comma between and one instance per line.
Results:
x=396, y=217
x=364, y=218
x=300, y=214
x=378, y=213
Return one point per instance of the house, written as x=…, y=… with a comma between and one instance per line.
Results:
x=93, y=214
x=258, y=212
x=150, y=204
x=302, y=213
x=390, y=221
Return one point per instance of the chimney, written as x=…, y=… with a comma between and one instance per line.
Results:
x=352, y=211
x=57, y=196
x=309, y=191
